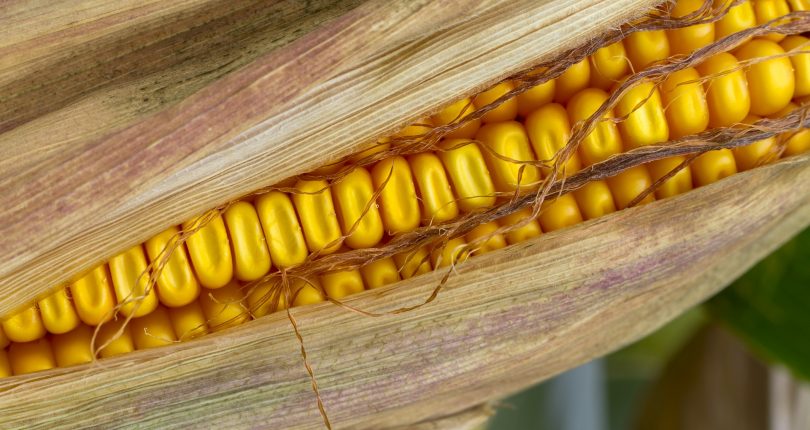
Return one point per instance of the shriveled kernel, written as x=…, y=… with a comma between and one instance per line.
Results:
x=572, y=81
x=629, y=184
x=188, y=321
x=453, y=252
x=536, y=96
x=177, y=285
x=338, y=285
x=493, y=240
x=528, y=226
x=559, y=213
x=604, y=139
x=250, y=254
x=595, y=199
x=74, y=347
x=413, y=263
x=686, y=40
x=285, y=239
x=153, y=330
x=24, y=326
x=801, y=63
x=767, y=10
x=379, y=273
x=210, y=252
x=438, y=202
x=468, y=173
x=58, y=313
x=29, y=357
x=608, y=65
x=713, y=166
x=749, y=156
x=116, y=336
x=685, y=104
x=738, y=18
x=399, y=206
x=549, y=130
x=646, y=47
x=506, y=111
x=455, y=113
x=354, y=196
x=644, y=122
x=315, y=208
x=770, y=82
x=726, y=91
x=223, y=307
x=130, y=280
x=510, y=141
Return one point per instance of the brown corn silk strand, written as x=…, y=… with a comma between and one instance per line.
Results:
x=435, y=236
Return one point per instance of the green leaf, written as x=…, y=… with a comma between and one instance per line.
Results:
x=769, y=307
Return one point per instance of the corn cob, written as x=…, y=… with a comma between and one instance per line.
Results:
x=199, y=289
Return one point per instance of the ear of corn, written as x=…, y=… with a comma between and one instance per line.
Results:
x=200, y=287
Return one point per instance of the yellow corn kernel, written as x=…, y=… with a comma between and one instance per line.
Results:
x=494, y=240
x=594, y=199
x=608, y=65
x=678, y=184
x=223, y=307
x=453, y=252
x=338, y=285
x=31, y=357
x=413, y=263
x=573, y=80
x=57, y=312
x=352, y=194
x=188, y=321
x=713, y=166
x=5, y=364
x=153, y=330
x=684, y=103
x=727, y=94
x=130, y=281
x=766, y=10
x=629, y=184
x=210, y=252
x=549, y=130
x=24, y=326
x=604, y=140
x=686, y=40
x=438, y=203
x=644, y=122
x=302, y=291
x=509, y=140
x=250, y=254
x=74, y=347
x=93, y=296
x=771, y=82
x=749, y=156
x=454, y=113
x=468, y=173
x=797, y=141
x=176, y=285
x=737, y=19
x=379, y=273
x=260, y=297
x=421, y=127
x=315, y=208
x=526, y=231
x=801, y=63
x=536, y=96
x=399, y=206
x=282, y=231
x=559, y=213
x=506, y=111
x=3, y=339
x=646, y=47
x=799, y=4
x=118, y=344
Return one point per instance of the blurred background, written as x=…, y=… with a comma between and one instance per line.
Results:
x=740, y=361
